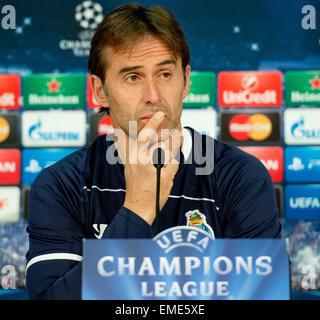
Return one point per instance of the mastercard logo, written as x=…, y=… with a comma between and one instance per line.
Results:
x=257, y=127
x=4, y=129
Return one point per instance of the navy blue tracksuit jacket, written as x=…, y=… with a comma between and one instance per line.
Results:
x=82, y=196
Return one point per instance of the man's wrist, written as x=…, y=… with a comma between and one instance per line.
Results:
x=145, y=213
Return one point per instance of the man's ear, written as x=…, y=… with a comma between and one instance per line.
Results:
x=98, y=91
x=187, y=81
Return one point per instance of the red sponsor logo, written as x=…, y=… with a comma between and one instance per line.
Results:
x=10, y=163
x=271, y=157
x=105, y=126
x=91, y=101
x=10, y=88
x=242, y=127
x=250, y=89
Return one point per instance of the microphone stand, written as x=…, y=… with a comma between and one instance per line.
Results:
x=158, y=164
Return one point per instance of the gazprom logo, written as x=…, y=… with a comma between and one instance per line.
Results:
x=183, y=236
x=36, y=133
x=299, y=130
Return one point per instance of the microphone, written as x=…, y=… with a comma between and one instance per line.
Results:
x=158, y=158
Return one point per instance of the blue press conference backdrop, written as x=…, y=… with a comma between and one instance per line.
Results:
x=223, y=35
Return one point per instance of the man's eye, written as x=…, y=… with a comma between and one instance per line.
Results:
x=132, y=78
x=165, y=75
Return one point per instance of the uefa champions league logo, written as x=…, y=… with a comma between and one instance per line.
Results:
x=89, y=14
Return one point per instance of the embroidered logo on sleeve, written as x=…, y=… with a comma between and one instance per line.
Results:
x=100, y=228
x=198, y=220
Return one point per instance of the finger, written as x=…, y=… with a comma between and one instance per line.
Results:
x=148, y=132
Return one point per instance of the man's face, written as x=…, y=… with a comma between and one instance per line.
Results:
x=143, y=81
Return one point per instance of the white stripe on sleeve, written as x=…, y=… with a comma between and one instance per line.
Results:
x=53, y=256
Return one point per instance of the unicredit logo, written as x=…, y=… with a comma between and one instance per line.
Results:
x=9, y=91
x=258, y=127
x=91, y=101
x=250, y=89
x=7, y=99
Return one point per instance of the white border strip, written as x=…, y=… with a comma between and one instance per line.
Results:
x=112, y=190
x=54, y=256
x=170, y=196
x=190, y=198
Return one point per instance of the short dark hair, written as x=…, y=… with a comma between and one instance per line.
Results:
x=127, y=24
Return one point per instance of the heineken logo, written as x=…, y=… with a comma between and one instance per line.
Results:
x=197, y=98
x=302, y=88
x=250, y=89
x=202, y=90
x=50, y=91
x=53, y=85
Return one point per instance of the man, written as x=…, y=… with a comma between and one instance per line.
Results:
x=139, y=61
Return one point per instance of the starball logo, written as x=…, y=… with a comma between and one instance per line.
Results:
x=87, y=15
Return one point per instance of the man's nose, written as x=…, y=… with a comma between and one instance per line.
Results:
x=151, y=92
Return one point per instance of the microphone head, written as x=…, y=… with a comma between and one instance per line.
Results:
x=158, y=158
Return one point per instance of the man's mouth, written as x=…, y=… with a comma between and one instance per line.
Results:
x=146, y=117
